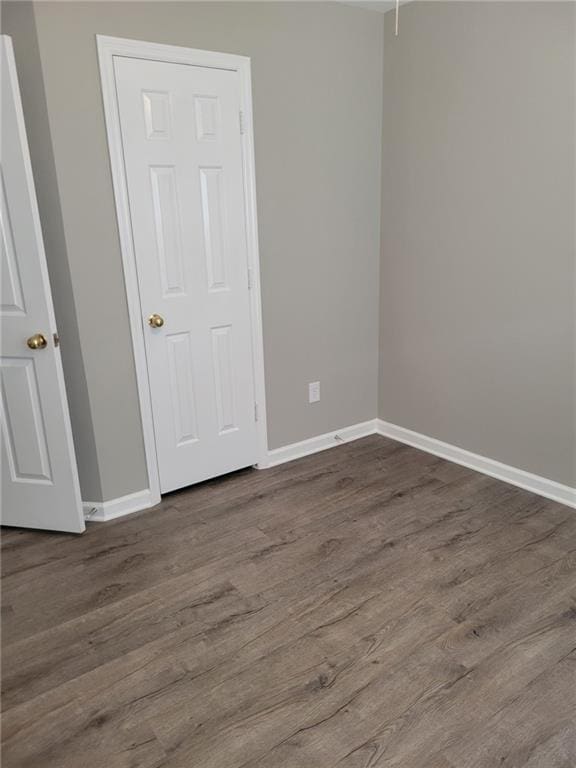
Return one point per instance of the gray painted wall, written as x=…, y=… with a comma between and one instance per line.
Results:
x=477, y=321
x=317, y=87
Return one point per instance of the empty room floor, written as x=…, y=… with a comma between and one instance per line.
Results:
x=371, y=605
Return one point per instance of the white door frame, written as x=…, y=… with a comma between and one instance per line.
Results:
x=108, y=47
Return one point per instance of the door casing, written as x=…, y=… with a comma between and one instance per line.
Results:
x=108, y=47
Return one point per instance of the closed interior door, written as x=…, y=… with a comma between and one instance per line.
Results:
x=39, y=476
x=183, y=162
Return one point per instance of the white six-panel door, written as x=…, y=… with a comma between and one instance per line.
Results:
x=183, y=165
x=39, y=476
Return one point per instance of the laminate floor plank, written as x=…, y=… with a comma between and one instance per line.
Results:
x=363, y=607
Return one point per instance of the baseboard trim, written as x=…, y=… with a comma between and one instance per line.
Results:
x=102, y=511
x=550, y=489
x=319, y=443
x=135, y=502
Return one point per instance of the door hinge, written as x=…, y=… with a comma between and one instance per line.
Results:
x=241, y=121
x=249, y=279
x=56, y=339
x=255, y=411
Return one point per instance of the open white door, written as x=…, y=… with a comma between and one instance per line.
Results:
x=39, y=476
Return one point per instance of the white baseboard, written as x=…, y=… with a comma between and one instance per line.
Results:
x=550, y=489
x=102, y=511
x=535, y=483
x=319, y=443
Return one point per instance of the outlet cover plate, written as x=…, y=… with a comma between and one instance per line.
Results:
x=313, y=391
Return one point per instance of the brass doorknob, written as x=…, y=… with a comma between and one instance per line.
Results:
x=156, y=321
x=38, y=341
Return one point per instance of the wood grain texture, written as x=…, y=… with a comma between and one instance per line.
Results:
x=370, y=606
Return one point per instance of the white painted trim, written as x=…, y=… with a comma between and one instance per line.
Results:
x=108, y=47
x=564, y=494
x=102, y=511
x=320, y=443
x=550, y=489
x=249, y=164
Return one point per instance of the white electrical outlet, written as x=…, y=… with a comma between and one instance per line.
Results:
x=313, y=391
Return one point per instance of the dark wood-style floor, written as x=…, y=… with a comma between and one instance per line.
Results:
x=368, y=606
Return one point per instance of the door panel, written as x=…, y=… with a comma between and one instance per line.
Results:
x=224, y=377
x=211, y=185
x=168, y=232
x=183, y=162
x=182, y=387
x=39, y=477
x=24, y=433
x=12, y=296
